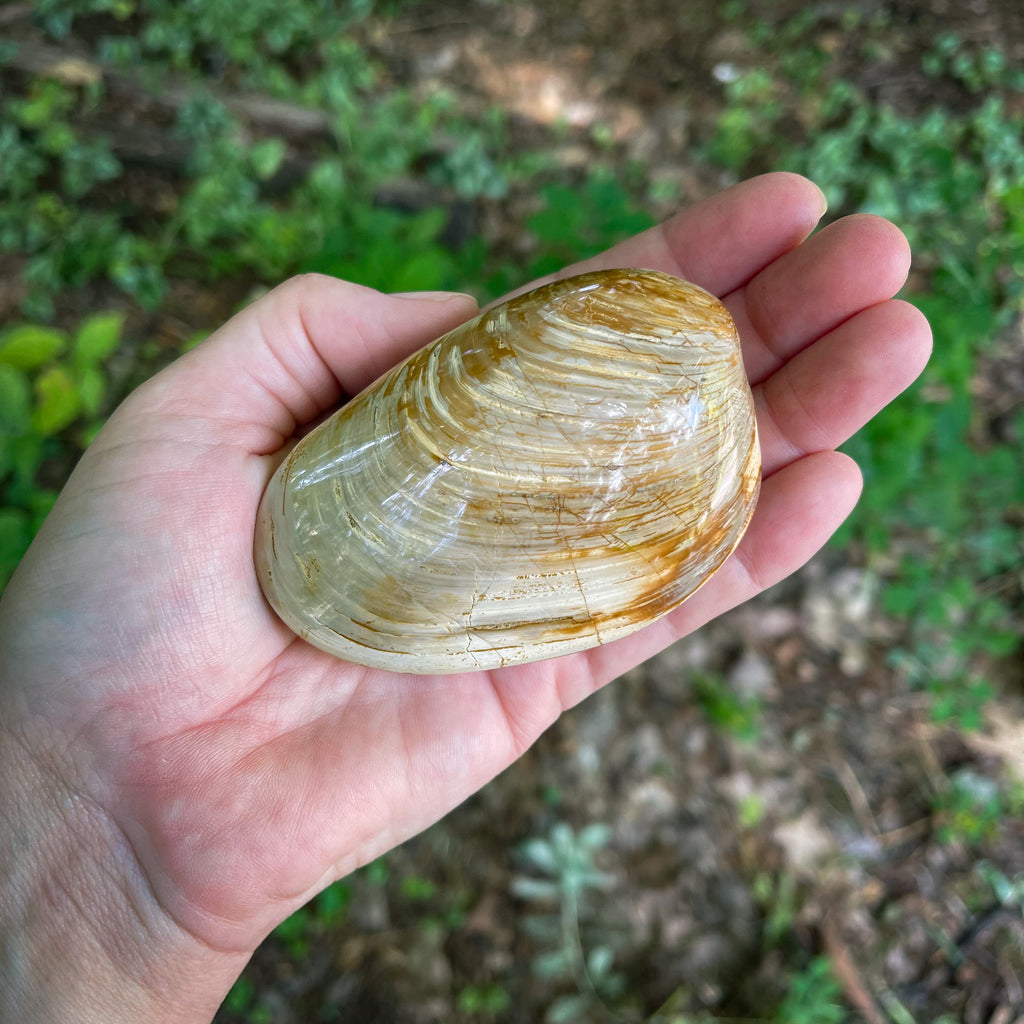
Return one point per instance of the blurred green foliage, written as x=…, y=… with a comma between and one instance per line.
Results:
x=559, y=885
x=726, y=709
x=944, y=496
x=62, y=194
x=581, y=220
x=52, y=392
x=814, y=997
x=970, y=807
x=484, y=1002
x=69, y=213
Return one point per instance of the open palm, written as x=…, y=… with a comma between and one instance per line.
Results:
x=232, y=769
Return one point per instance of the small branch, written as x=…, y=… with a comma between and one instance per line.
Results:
x=847, y=974
x=10, y=13
x=922, y=734
x=858, y=799
x=74, y=68
x=905, y=833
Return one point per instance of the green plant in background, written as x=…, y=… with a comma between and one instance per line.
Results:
x=564, y=876
x=732, y=712
x=562, y=890
x=812, y=994
x=484, y=1002
x=954, y=184
x=1008, y=892
x=577, y=221
x=53, y=390
x=812, y=997
x=938, y=494
x=970, y=807
x=748, y=123
x=49, y=169
x=244, y=1001
x=386, y=250
x=326, y=910
x=61, y=200
x=777, y=897
x=297, y=934
x=249, y=38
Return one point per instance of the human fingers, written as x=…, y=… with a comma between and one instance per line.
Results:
x=827, y=392
x=849, y=265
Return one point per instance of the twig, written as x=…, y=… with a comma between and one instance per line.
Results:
x=78, y=69
x=858, y=798
x=922, y=733
x=846, y=972
x=10, y=13
x=896, y=836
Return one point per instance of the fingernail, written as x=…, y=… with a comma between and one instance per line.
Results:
x=433, y=296
x=824, y=199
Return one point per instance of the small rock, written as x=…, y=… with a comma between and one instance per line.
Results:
x=752, y=676
x=805, y=842
x=648, y=804
x=646, y=751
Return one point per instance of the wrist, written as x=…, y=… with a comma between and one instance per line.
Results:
x=81, y=937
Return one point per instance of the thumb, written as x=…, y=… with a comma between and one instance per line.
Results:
x=298, y=351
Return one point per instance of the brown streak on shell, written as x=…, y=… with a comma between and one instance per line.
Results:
x=558, y=472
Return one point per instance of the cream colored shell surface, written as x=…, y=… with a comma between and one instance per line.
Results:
x=552, y=475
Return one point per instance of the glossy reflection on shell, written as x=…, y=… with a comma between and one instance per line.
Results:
x=558, y=472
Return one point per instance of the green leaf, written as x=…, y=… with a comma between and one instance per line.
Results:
x=240, y=998
x=47, y=100
x=30, y=346
x=97, y=338
x=599, y=961
x=484, y=999
x=566, y=1009
x=901, y=601
x=23, y=457
x=553, y=964
x=57, y=401
x=595, y=836
x=294, y=932
x=423, y=271
x=534, y=889
x=39, y=504
x=332, y=903
x=15, y=536
x=416, y=888
x=91, y=386
x=15, y=400
x=540, y=854
x=265, y=158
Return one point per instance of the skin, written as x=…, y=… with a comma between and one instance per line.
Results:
x=181, y=773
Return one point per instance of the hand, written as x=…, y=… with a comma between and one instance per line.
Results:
x=185, y=771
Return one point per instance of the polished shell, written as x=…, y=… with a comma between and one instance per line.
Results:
x=558, y=472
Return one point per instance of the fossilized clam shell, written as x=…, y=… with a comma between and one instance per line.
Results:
x=558, y=472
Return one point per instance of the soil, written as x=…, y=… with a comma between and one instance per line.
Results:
x=738, y=852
